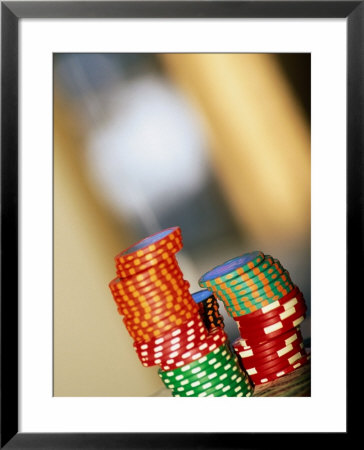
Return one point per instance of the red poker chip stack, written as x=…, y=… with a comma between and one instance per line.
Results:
x=271, y=343
x=158, y=310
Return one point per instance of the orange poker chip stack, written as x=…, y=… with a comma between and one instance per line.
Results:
x=150, y=291
x=153, y=297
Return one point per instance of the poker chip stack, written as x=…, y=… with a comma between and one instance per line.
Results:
x=209, y=309
x=164, y=321
x=268, y=309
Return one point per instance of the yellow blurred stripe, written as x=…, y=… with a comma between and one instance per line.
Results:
x=260, y=140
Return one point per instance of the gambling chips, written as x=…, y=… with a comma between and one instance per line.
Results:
x=268, y=308
x=169, y=328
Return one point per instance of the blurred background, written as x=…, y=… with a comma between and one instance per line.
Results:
x=218, y=144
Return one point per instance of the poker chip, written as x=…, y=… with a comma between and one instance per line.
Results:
x=279, y=328
x=184, y=334
x=276, y=374
x=165, y=240
x=161, y=283
x=269, y=353
x=282, y=340
x=272, y=358
x=209, y=309
x=267, y=366
x=175, y=347
x=231, y=269
x=267, y=312
x=270, y=276
x=258, y=293
x=215, y=374
x=267, y=306
x=236, y=305
x=214, y=340
x=267, y=324
x=166, y=271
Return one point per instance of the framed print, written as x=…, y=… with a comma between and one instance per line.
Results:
x=234, y=127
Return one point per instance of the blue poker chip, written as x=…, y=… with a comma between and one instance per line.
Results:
x=200, y=296
x=149, y=241
x=231, y=265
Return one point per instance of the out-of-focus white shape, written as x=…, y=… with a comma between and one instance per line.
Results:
x=150, y=154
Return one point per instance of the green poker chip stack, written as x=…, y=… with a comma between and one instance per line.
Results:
x=217, y=374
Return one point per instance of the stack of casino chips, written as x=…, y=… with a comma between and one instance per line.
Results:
x=209, y=309
x=267, y=307
x=160, y=313
x=217, y=374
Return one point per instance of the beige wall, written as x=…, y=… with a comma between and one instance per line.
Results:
x=93, y=353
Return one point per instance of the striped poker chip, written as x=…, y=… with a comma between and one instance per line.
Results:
x=165, y=271
x=237, y=285
x=214, y=340
x=285, y=338
x=163, y=260
x=159, y=287
x=175, y=277
x=153, y=297
x=273, y=329
x=233, y=385
x=145, y=310
x=143, y=302
x=277, y=350
x=227, y=364
x=266, y=378
x=209, y=311
x=156, y=320
x=210, y=379
x=273, y=358
x=252, y=274
x=236, y=306
x=267, y=291
x=157, y=313
x=211, y=358
x=172, y=345
x=156, y=295
x=276, y=366
x=274, y=355
x=266, y=306
x=177, y=333
x=155, y=264
x=259, y=289
x=239, y=305
x=165, y=239
x=262, y=279
x=160, y=328
x=272, y=310
x=184, y=382
x=263, y=322
x=258, y=339
x=230, y=269
x=211, y=361
x=151, y=259
x=172, y=351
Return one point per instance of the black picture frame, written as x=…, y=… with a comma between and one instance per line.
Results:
x=11, y=12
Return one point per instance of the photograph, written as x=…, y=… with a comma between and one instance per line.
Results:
x=182, y=224
x=181, y=218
